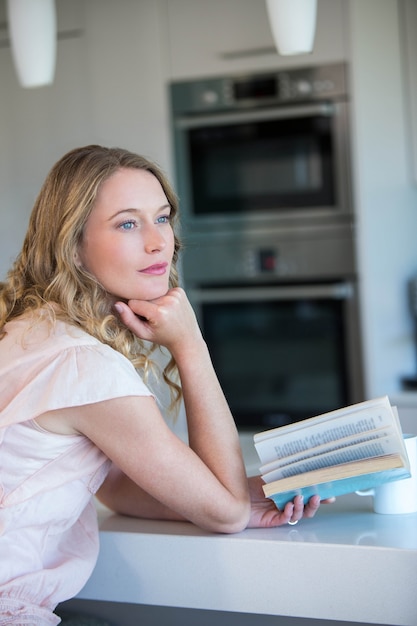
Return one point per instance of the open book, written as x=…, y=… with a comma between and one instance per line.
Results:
x=350, y=449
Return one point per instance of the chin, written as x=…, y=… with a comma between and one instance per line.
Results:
x=150, y=294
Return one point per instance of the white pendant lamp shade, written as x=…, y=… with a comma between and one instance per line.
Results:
x=293, y=25
x=33, y=36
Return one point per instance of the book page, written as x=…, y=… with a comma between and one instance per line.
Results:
x=330, y=446
x=375, y=448
x=365, y=417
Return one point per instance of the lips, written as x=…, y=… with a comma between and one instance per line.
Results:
x=159, y=269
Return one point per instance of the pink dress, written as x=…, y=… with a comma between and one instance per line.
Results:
x=48, y=523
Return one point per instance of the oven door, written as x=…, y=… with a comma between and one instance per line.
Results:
x=282, y=353
x=288, y=160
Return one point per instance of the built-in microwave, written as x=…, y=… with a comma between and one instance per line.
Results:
x=269, y=148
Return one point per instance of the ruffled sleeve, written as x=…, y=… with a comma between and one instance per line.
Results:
x=51, y=377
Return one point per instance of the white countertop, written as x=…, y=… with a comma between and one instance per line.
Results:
x=347, y=563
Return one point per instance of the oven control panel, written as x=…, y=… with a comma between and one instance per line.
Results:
x=267, y=89
x=267, y=261
x=269, y=257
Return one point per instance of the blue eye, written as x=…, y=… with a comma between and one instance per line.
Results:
x=128, y=225
x=163, y=219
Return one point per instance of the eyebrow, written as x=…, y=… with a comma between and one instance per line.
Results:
x=134, y=211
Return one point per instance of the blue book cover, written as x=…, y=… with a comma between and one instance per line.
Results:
x=312, y=483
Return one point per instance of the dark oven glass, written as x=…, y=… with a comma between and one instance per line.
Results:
x=278, y=361
x=263, y=165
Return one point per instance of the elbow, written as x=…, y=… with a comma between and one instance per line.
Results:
x=234, y=528
x=235, y=522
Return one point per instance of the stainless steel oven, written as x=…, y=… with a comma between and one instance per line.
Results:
x=270, y=148
x=269, y=260
x=281, y=321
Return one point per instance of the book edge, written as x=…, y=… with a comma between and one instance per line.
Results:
x=326, y=475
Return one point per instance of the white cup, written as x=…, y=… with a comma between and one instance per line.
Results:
x=399, y=496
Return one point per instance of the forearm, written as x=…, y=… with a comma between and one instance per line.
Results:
x=217, y=463
x=170, y=321
x=120, y=494
x=211, y=428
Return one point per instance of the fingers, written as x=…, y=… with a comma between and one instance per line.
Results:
x=143, y=309
x=312, y=506
x=169, y=320
x=293, y=511
x=296, y=510
x=136, y=320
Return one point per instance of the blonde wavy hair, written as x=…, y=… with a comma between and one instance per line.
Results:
x=45, y=274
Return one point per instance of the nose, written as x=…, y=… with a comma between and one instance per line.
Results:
x=154, y=239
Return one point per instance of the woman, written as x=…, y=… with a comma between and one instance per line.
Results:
x=93, y=292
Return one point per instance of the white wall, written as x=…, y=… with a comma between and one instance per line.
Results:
x=126, y=68
x=111, y=88
x=37, y=126
x=385, y=196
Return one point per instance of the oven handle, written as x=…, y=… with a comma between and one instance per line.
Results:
x=337, y=291
x=325, y=109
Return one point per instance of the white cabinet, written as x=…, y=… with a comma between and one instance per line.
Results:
x=217, y=37
x=409, y=24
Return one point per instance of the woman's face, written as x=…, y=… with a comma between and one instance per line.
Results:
x=128, y=241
